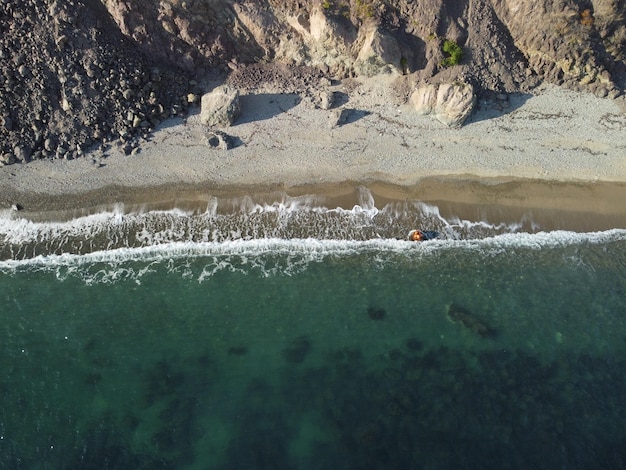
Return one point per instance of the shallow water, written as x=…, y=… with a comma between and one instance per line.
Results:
x=275, y=337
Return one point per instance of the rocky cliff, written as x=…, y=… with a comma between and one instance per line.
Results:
x=78, y=73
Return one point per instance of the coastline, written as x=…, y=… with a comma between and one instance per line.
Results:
x=552, y=205
x=556, y=151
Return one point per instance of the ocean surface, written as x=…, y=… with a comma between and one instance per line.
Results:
x=291, y=335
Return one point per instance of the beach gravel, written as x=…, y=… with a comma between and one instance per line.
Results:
x=284, y=141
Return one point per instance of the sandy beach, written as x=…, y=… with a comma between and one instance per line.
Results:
x=554, y=150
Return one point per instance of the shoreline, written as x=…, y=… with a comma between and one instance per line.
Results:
x=575, y=206
x=558, y=152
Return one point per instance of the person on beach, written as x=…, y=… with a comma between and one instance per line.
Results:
x=416, y=236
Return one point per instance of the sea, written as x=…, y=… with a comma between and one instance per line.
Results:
x=292, y=334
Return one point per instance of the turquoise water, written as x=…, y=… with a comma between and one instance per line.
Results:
x=225, y=340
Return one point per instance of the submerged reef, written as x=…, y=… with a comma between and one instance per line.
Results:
x=470, y=321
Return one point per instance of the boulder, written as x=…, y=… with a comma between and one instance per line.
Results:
x=449, y=103
x=323, y=99
x=219, y=141
x=22, y=153
x=455, y=102
x=424, y=99
x=6, y=122
x=380, y=53
x=221, y=107
x=6, y=159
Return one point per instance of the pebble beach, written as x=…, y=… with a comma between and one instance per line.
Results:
x=554, y=149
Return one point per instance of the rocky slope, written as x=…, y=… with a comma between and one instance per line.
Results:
x=77, y=73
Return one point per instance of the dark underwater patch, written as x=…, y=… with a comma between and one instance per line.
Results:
x=237, y=350
x=470, y=321
x=376, y=313
x=297, y=351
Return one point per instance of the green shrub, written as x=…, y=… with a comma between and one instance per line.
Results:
x=454, y=53
x=364, y=9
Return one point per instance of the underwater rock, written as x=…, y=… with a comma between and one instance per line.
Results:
x=376, y=313
x=237, y=350
x=298, y=350
x=414, y=344
x=467, y=319
x=92, y=379
x=163, y=380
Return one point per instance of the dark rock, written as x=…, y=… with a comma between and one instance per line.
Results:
x=462, y=316
x=414, y=344
x=7, y=123
x=237, y=350
x=220, y=140
x=22, y=152
x=376, y=313
x=297, y=351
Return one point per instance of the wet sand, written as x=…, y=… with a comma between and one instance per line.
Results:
x=580, y=207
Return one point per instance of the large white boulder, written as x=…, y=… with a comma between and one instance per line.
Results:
x=220, y=107
x=449, y=103
x=424, y=99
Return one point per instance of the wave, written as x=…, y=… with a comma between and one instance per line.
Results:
x=282, y=237
x=270, y=257
x=229, y=220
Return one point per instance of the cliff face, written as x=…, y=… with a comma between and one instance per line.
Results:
x=506, y=43
x=79, y=71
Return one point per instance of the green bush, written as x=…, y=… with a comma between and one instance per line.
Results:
x=454, y=53
x=364, y=9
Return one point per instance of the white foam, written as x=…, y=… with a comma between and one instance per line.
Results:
x=247, y=219
x=293, y=227
x=15, y=229
x=316, y=250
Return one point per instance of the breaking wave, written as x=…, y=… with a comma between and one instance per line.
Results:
x=236, y=219
x=279, y=238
